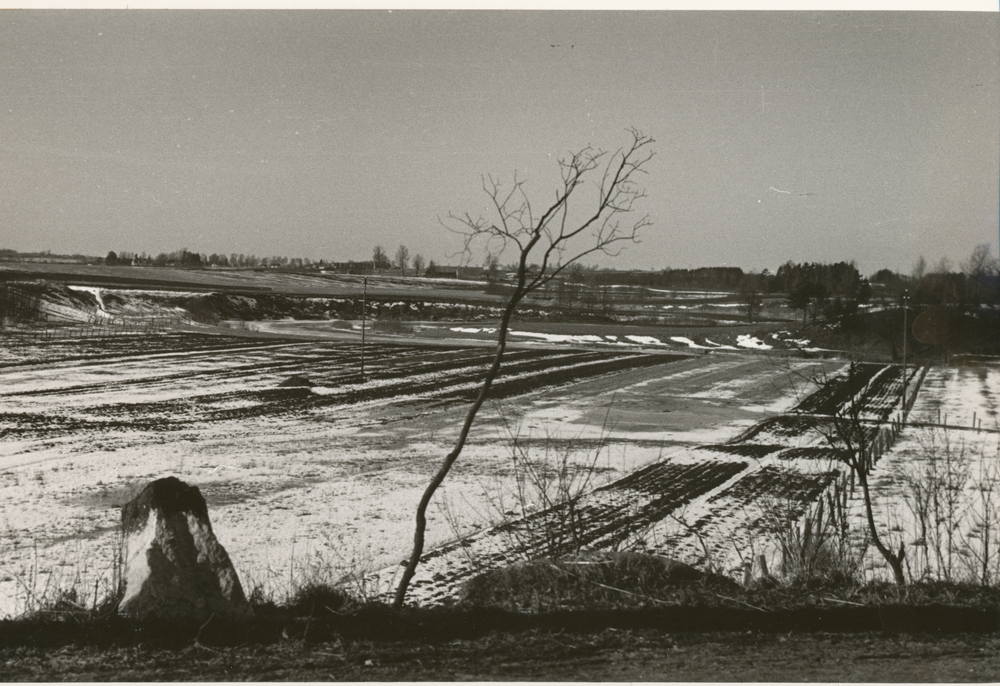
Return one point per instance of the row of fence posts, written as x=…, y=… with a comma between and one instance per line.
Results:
x=833, y=501
x=977, y=423
x=96, y=327
x=836, y=497
x=887, y=435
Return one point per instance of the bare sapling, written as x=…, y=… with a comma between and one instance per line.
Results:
x=584, y=218
x=951, y=487
x=856, y=440
x=985, y=516
x=934, y=484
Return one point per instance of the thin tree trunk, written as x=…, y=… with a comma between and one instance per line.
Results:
x=895, y=561
x=421, y=516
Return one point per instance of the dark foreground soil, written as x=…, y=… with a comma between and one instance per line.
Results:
x=607, y=655
x=851, y=643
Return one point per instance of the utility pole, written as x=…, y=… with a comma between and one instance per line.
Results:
x=906, y=298
x=364, y=302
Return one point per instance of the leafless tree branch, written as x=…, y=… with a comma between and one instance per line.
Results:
x=559, y=237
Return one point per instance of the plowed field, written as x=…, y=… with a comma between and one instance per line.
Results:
x=323, y=481
x=716, y=505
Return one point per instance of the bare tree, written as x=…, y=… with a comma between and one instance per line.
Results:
x=492, y=267
x=943, y=266
x=402, y=259
x=856, y=441
x=607, y=301
x=380, y=260
x=979, y=269
x=418, y=264
x=584, y=218
x=799, y=298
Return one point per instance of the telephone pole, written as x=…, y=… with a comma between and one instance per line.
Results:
x=906, y=299
x=364, y=307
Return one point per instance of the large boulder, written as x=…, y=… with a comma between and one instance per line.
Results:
x=175, y=569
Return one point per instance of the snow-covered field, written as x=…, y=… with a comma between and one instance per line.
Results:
x=939, y=487
x=728, y=502
x=324, y=480
x=300, y=478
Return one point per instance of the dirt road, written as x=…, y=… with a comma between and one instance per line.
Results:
x=609, y=655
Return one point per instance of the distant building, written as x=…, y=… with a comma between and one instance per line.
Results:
x=441, y=271
x=349, y=267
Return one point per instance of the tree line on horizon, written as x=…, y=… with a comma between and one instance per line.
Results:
x=833, y=289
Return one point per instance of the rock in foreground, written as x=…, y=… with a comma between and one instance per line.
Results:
x=175, y=569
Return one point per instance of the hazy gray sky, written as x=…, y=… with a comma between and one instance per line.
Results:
x=806, y=136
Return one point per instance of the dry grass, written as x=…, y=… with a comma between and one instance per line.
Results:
x=627, y=581
x=594, y=581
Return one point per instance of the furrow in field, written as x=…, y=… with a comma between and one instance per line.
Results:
x=837, y=391
x=56, y=353
x=194, y=379
x=699, y=508
x=606, y=517
x=242, y=367
x=450, y=379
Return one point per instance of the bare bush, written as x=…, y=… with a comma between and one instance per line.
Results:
x=951, y=489
x=819, y=544
x=858, y=442
x=540, y=515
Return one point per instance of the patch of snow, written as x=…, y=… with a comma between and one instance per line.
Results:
x=719, y=345
x=747, y=341
x=953, y=395
x=96, y=292
x=690, y=295
x=688, y=342
x=645, y=340
x=559, y=338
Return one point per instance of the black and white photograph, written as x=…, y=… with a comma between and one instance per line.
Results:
x=612, y=343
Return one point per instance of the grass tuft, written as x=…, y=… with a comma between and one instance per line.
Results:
x=314, y=598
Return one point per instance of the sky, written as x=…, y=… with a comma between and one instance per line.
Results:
x=803, y=136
